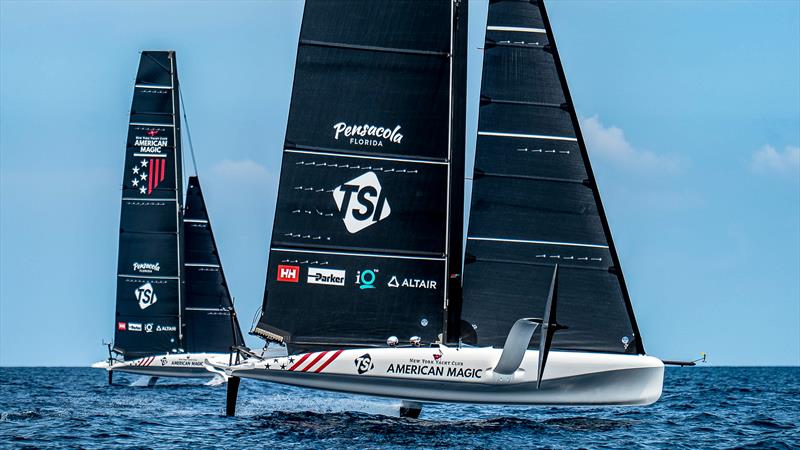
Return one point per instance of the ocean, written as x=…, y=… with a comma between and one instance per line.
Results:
x=703, y=407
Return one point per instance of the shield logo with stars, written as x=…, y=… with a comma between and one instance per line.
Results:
x=148, y=173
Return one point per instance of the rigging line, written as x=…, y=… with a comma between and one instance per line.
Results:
x=188, y=133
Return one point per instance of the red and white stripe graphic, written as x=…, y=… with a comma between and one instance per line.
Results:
x=315, y=362
x=144, y=362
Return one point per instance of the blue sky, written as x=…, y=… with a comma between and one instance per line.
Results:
x=691, y=112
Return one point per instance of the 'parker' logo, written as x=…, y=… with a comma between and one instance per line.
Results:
x=361, y=202
x=146, y=295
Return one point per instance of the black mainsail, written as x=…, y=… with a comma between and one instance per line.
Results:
x=171, y=291
x=361, y=244
x=150, y=268
x=535, y=202
x=211, y=323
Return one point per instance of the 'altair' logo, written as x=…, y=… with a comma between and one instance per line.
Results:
x=361, y=202
x=367, y=134
x=145, y=295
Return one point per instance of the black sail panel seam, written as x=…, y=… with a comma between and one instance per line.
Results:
x=480, y=173
x=372, y=48
x=561, y=265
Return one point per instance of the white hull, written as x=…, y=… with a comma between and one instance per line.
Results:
x=447, y=374
x=183, y=365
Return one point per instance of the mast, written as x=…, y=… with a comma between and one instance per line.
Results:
x=360, y=237
x=176, y=131
x=458, y=121
x=149, y=274
x=212, y=326
x=535, y=202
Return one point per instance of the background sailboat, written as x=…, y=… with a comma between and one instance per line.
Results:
x=173, y=306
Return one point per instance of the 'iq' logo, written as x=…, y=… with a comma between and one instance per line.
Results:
x=365, y=279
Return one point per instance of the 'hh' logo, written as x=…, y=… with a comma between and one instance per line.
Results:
x=361, y=202
x=146, y=295
x=289, y=274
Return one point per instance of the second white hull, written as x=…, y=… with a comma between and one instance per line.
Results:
x=183, y=365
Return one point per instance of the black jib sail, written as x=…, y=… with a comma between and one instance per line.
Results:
x=360, y=241
x=211, y=323
x=535, y=202
x=149, y=289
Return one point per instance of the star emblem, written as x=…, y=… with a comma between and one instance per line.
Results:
x=268, y=365
x=142, y=190
x=144, y=163
x=283, y=366
x=291, y=360
x=143, y=176
x=275, y=360
x=135, y=169
x=135, y=182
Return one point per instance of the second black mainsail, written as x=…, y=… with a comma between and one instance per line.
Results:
x=535, y=202
x=360, y=237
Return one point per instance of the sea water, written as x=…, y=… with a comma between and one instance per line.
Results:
x=704, y=407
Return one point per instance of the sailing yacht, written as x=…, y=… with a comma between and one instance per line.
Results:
x=365, y=285
x=173, y=307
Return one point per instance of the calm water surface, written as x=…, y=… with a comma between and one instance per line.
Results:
x=708, y=407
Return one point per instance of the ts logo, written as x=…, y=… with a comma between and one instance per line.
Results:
x=145, y=295
x=364, y=364
x=361, y=203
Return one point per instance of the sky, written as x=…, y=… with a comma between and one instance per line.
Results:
x=691, y=111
